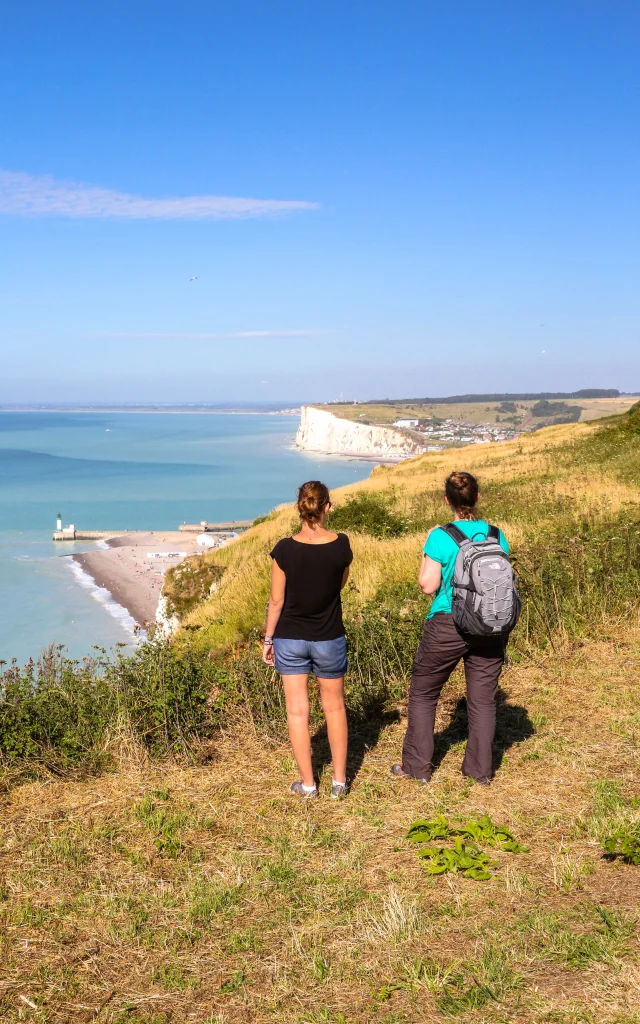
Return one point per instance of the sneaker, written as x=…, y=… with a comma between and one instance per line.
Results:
x=339, y=789
x=299, y=789
x=398, y=772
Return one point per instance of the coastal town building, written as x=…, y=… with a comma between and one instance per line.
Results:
x=461, y=432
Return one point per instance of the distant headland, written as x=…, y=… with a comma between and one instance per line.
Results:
x=394, y=429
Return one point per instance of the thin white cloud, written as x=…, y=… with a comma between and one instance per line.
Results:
x=303, y=333
x=24, y=195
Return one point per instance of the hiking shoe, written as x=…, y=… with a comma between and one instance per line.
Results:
x=299, y=789
x=398, y=772
x=339, y=790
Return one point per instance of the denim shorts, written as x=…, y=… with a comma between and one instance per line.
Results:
x=325, y=658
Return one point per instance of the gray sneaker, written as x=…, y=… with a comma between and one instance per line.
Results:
x=299, y=790
x=339, y=790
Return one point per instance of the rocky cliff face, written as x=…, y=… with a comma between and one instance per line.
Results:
x=321, y=431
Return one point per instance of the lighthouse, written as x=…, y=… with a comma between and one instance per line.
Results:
x=59, y=522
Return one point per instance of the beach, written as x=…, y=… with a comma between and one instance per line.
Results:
x=127, y=568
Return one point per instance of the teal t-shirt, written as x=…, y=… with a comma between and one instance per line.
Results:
x=443, y=549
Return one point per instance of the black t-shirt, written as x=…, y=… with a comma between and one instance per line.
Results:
x=312, y=609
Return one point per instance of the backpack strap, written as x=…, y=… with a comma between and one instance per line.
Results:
x=461, y=538
x=455, y=533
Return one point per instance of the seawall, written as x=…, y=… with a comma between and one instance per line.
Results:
x=321, y=431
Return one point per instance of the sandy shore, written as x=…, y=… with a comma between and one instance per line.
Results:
x=133, y=578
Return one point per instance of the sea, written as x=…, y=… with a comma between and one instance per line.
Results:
x=126, y=471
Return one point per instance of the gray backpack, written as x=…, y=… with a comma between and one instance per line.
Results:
x=485, y=599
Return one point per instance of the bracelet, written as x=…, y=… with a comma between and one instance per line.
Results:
x=268, y=639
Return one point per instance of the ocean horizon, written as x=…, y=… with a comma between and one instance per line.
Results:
x=122, y=470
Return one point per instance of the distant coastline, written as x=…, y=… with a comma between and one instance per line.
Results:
x=180, y=410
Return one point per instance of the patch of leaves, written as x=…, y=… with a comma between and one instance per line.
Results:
x=624, y=844
x=465, y=856
x=480, y=830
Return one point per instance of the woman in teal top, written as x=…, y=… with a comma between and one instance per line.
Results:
x=442, y=647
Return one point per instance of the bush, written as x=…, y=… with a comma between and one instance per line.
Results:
x=368, y=513
x=382, y=638
x=64, y=715
x=545, y=408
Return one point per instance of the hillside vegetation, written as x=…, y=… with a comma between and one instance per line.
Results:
x=153, y=869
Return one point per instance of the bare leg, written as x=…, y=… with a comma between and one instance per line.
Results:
x=332, y=696
x=297, y=696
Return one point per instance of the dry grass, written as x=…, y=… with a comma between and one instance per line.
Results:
x=208, y=894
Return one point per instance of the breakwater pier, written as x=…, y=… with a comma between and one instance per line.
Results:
x=236, y=527
x=62, y=533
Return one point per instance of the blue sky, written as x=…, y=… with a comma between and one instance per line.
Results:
x=438, y=197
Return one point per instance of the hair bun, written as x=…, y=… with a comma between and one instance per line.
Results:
x=461, y=490
x=313, y=497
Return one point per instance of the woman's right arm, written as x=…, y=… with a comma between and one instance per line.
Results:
x=276, y=601
x=430, y=576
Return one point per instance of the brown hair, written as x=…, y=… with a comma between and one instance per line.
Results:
x=461, y=490
x=312, y=499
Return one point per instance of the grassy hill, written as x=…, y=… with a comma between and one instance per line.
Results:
x=154, y=870
x=560, y=494
x=515, y=413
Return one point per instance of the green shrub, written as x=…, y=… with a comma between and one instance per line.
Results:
x=546, y=409
x=61, y=714
x=368, y=513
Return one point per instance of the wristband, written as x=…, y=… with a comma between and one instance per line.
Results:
x=268, y=639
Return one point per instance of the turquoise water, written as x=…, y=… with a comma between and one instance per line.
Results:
x=126, y=471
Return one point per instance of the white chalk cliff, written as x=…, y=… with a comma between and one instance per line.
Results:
x=321, y=431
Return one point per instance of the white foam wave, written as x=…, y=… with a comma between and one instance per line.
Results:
x=101, y=545
x=106, y=599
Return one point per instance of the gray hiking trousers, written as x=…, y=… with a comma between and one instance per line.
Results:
x=440, y=650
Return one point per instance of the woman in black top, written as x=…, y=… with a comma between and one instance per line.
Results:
x=305, y=632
